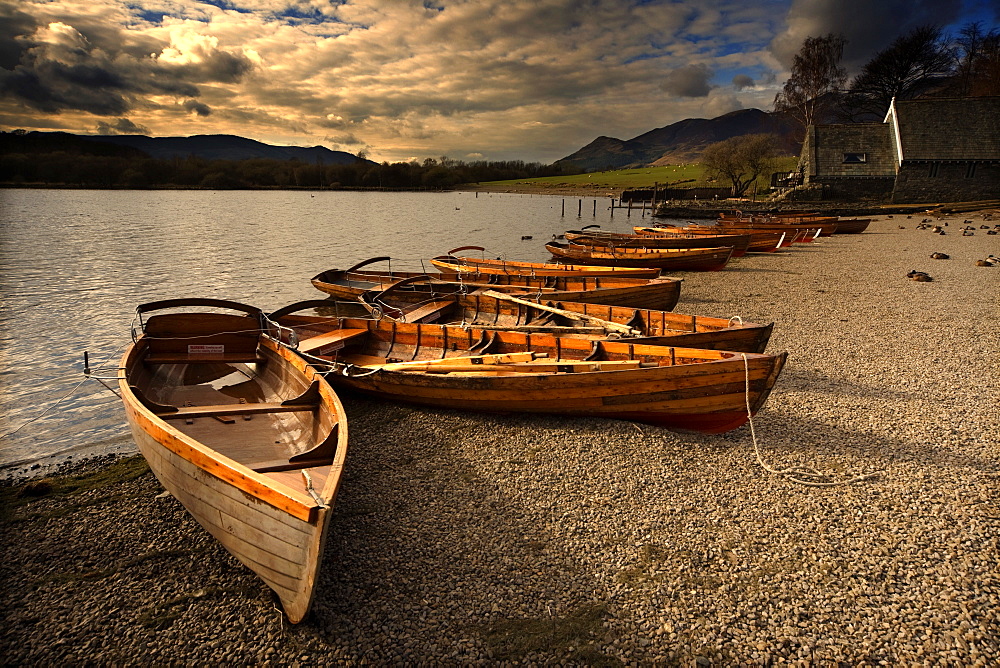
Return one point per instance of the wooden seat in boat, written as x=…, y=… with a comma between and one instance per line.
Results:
x=185, y=412
x=330, y=341
x=428, y=312
x=208, y=338
x=249, y=357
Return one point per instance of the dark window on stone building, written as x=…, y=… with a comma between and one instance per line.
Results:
x=855, y=158
x=935, y=167
x=970, y=170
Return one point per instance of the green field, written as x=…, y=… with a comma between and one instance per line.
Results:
x=682, y=176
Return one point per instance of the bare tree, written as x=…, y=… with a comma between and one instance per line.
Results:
x=977, y=61
x=816, y=71
x=903, y=71
x=741, y=159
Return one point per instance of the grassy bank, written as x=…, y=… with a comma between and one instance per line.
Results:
x=613, y=182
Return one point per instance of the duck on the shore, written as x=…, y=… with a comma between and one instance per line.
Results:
x=984, y=263
x=968, y=233
x=940, y=256
x=919, y=276
x=525, y=237
x=937, y=229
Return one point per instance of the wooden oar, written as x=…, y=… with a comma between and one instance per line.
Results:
x=464, y=362
x=606, y=324
x=525, y=367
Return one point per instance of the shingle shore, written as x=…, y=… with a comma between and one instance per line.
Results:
x=465, y=539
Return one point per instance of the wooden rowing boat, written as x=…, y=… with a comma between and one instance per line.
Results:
x=654, y=293
x=469, y=368
x=486, y=309
x=243, y=432
x=793, y=217
x=738, y=242
x=792, y=234
x=466, y=264
x=826, y=225
x=760, y=242
x=844, y=225
x=672, y=259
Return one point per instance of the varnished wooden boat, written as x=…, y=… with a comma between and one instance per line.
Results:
x=469, y=368
x=670, y=259
x=654, y=293
x=827, y=225
x=243, y=432
x=738, y=242
x=760, y=242
x=844, y=225
x=489, y=310
x=793, y=217
x=452, y=262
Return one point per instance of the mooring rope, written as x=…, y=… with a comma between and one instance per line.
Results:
x=802, y=475
x=62, y=398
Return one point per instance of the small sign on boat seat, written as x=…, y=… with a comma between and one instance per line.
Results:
x=206, y=349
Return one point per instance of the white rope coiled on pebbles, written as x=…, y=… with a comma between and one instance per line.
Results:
x=803, y=475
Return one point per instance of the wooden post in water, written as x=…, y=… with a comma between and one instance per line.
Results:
x=564, y=208
x=612, y=207
x=595, y=208
x=579, y=209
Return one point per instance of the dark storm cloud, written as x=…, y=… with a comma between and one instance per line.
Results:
x=741, y=81
x=121, y=126
x=54, y=67
x=868, y=26
x=12, y=24
x=688, y=81
x=196, y=107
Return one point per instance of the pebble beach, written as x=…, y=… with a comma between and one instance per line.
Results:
x=463, y=539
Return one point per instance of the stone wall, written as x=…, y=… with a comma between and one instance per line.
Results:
x=825, y=148
x=946, y=182
x=857, y=188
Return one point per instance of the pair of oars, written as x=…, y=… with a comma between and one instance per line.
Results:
x=509, y=363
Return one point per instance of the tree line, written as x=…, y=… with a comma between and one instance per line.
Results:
x=24, y=160
x=921, y=63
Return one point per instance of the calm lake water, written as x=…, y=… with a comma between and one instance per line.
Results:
x=75, y=263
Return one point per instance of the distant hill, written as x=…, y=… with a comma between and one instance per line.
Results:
x=683, y=141
x=209, y=147
x=224, y=147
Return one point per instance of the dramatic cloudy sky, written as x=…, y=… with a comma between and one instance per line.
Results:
x=402, y=79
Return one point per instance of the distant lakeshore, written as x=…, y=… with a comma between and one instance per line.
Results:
x=704, y=209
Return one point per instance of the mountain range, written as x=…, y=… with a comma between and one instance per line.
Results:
x=684, y=141
x=207, y=147
x=677, y=143
x=225, y=147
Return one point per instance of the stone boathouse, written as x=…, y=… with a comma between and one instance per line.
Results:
x=926, y=150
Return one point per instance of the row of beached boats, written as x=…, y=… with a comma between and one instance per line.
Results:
x=237, y=412
x=694, y=247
